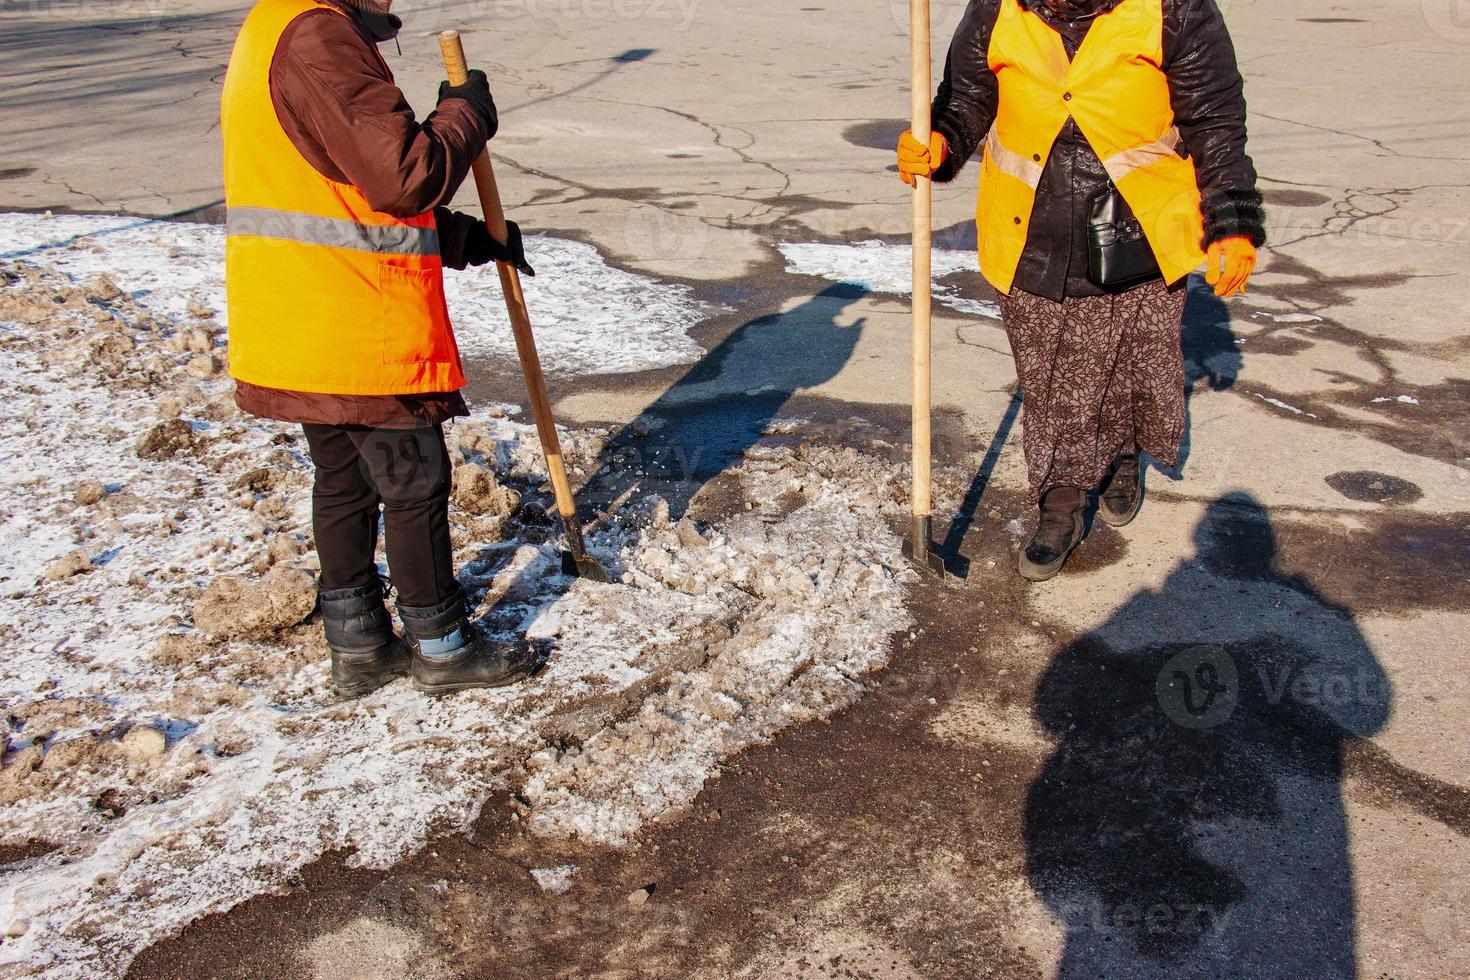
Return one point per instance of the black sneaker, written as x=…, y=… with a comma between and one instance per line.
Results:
x=1059, y=531
x=1122, y=492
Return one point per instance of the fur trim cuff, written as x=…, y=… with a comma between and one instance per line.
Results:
x=962, y=142
x=1234, y=212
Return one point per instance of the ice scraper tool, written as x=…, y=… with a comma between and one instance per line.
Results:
x=575, y=560
x=919, y=548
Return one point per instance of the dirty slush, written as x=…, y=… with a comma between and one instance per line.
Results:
x=173, y=746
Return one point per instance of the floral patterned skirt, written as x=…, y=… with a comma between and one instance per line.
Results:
x=1098, y=374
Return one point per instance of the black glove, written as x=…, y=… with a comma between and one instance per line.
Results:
x=475, y=91
x=480, y=248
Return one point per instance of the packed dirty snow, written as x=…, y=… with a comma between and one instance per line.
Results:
x=590, y=317
x=171, y=743
x=884, y=268
x=555, y=881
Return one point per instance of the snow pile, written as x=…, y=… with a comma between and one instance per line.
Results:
x=776, y=642
x=883, y=268
x=590, y=317
x=172, y=746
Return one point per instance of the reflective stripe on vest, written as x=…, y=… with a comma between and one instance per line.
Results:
x=325, y=293
x=313, y=229
x=1117, y=93
x=1118, y=166
x=1024, y=169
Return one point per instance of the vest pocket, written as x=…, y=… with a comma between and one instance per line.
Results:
x=415, y=328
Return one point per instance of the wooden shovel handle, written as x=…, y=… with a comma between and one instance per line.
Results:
x=458, y=72
x=515, y=302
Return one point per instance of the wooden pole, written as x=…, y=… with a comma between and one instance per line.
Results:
x=923, y=240
x=520, y=324
x=918, y=547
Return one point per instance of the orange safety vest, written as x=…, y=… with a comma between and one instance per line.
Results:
x=325, y=294
x=1116, y=90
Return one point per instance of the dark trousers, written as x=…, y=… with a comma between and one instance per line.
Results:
x=407, y=473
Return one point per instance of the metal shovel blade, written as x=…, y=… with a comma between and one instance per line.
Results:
x=919, y=549
x=576, y=562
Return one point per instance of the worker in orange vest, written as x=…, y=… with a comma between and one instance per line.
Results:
x=1113, y=141
x=336, y=241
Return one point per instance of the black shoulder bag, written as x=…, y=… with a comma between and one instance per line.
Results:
x=1118, y=254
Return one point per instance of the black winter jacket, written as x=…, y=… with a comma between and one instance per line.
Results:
x=1209, y=109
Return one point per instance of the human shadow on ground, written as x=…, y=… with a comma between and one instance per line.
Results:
x=727, y=401
x=949, y=549
x=1190, y=822
x=1212, y=356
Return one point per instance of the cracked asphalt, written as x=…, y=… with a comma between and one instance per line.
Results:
x=1019, y=798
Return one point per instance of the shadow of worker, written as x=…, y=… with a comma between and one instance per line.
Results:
x=1190, y=822
x=724, y=404
x=1212, y=355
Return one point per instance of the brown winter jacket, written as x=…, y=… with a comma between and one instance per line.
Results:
x=349, y=120
x=1207, y=94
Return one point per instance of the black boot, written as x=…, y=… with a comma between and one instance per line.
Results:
x=450, y=654
x=1057, y=533
x=1122, y=491
x=366, y=653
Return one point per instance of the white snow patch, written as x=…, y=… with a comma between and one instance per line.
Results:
x=883, y=268
x=590, y=318
x=650, y=683
x=1404, y=399
x=1287, y=317
x=557, y=880
x=1281, y=404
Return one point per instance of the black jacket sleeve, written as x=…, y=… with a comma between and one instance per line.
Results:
x=964, y=108
x=1208, y=97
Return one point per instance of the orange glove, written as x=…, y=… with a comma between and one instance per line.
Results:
x=916, y=158
x=1228, y=265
